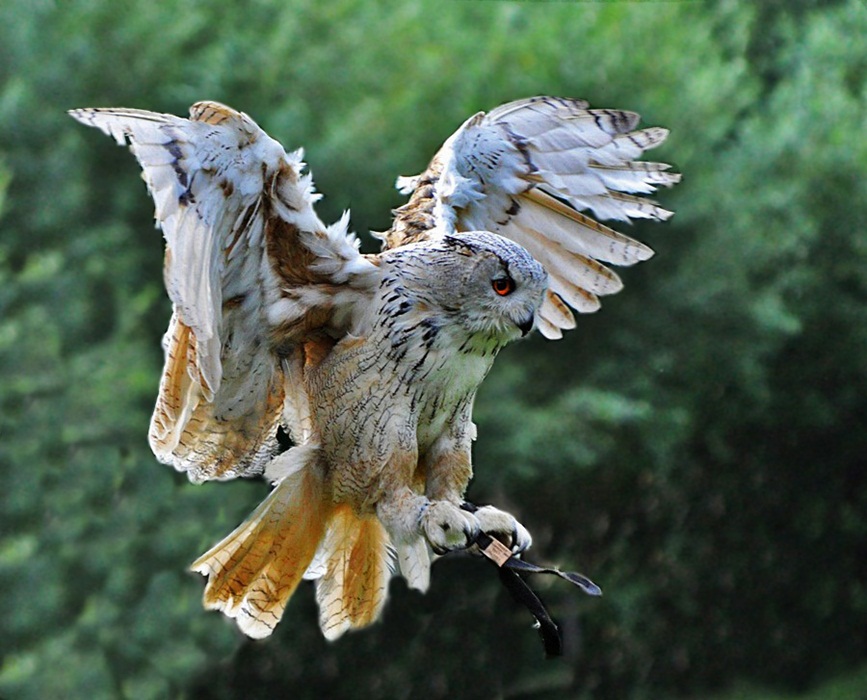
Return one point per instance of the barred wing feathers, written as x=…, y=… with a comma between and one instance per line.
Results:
x=250, y=270
x=528, y=170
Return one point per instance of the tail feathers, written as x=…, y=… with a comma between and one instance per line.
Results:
x=355, y=566
x=254, y=571
x=297, y=533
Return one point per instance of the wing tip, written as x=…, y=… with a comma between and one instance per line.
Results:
x=645, y=253
x=548, y=330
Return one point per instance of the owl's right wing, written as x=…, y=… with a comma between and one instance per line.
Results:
x=529, y=170
x=257, y=282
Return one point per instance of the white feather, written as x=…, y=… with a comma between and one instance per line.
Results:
x=413, y=559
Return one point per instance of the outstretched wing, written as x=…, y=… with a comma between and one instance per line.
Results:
x=528, y=170
x=255, y=278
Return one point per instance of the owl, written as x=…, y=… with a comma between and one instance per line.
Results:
x=369, y=362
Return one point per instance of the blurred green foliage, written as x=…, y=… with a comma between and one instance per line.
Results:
x=698, y=447
x=844, y=687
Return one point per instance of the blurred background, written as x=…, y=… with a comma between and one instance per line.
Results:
x=698, y=447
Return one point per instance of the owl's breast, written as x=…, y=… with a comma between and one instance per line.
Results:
x=445, y=379
x=412, y=381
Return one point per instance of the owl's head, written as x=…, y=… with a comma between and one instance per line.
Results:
x=479, y=281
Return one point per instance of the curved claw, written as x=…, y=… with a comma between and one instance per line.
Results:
x=503, y=526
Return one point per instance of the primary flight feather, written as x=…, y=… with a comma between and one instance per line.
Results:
x=369, y=362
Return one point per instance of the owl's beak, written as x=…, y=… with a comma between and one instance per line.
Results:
x=526, y=325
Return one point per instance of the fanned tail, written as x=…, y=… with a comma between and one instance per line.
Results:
x=353, y=568
x=254, y=571
x=297, y=532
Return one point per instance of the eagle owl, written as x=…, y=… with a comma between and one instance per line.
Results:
x=369, y=362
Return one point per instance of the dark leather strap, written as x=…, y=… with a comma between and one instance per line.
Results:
x=510, y=568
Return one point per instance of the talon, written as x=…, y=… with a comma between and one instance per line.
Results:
x=447, y=527
x=504, y=527
x=470, y=536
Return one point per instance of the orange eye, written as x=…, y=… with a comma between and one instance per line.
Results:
x=503, y=285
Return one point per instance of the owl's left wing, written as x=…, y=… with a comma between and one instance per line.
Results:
x=528, y=170
x=259, y=285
